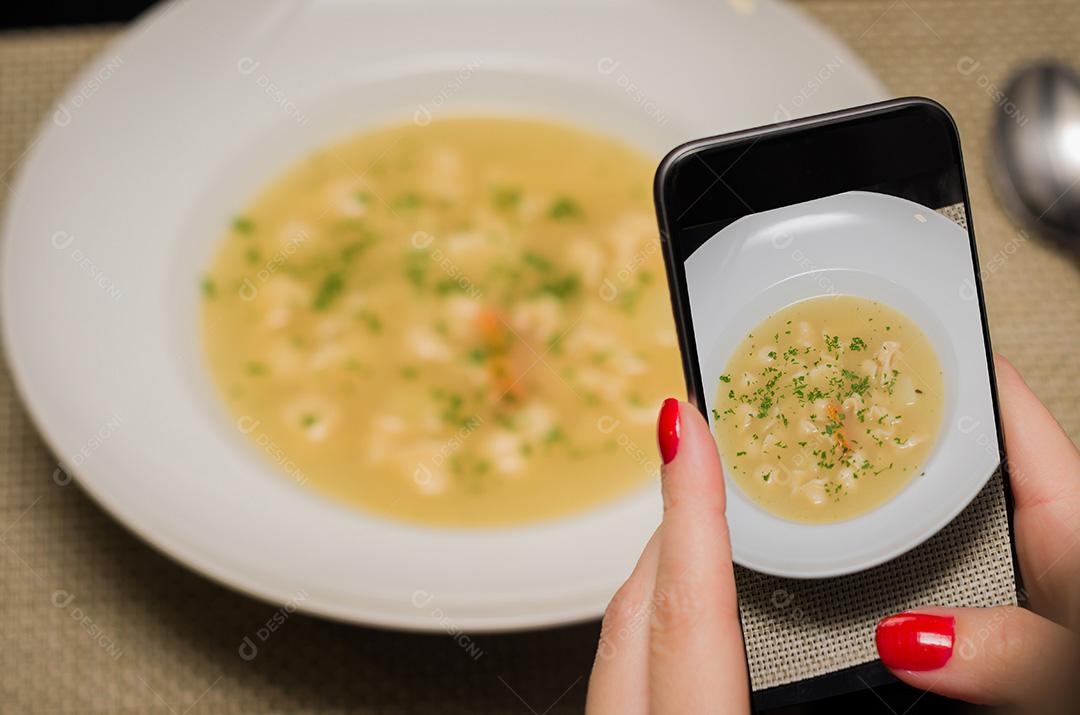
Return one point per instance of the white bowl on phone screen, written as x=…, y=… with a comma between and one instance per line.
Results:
x=882, y=248
x=176, y=125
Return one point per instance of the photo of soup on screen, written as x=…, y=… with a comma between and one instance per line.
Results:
x=844, y=372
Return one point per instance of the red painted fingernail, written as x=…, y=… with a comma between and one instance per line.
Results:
x=667, y=429
x=915, y=641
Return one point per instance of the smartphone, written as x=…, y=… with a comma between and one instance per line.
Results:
x=827, y=297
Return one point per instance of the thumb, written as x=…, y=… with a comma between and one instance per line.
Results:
x=1006, y=655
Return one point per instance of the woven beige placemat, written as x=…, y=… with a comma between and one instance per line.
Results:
x=92, y=620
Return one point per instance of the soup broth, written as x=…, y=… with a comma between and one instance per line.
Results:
x=463, y=323
x=828, y=408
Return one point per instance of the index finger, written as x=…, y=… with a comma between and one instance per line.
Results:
x=697, y=658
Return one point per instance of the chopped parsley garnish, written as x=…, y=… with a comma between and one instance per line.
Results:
x=537, y=261
x=765, y=406
x=856, y=385
x=564, y=208
x=409, y=201
x=890, y=384
x=562, y=288
x=555, y=434
x=329, y=289
x=371, y=320
x=506, y=198
x=244, y=225
x=355, y=248
x=416, y=267
x=450, y=285
x=477, y=355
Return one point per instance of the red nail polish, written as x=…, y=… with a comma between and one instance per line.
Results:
x=915, y=641
x=667, y=429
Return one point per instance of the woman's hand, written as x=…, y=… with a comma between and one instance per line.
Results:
x=671, y=640
x=1010, y=655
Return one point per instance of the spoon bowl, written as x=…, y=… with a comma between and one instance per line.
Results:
x=1036, y=151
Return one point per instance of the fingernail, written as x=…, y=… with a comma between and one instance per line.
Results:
x=915, y=641
x=667, y=429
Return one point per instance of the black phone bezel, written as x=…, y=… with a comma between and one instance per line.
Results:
x=856, y=677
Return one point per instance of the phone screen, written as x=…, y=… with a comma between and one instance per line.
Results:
x=826, y=291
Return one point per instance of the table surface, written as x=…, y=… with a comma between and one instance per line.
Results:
x=93, y=619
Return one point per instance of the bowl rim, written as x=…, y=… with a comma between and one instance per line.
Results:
x=159, y=30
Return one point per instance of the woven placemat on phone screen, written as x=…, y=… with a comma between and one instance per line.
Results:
x=144, y=635
x=796, y=629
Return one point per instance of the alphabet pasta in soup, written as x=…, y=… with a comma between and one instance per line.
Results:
x=828, y=408
x=462, y=323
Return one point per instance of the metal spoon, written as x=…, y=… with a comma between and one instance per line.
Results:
x=1036, y=150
